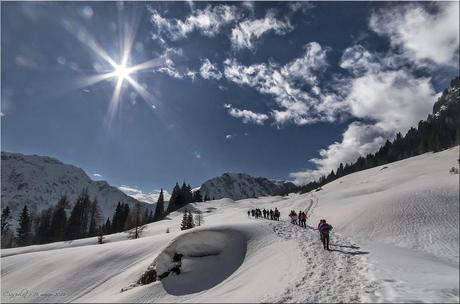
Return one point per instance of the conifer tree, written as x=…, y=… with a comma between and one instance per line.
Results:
x=174, y=201
x=197, y=196
x=58, y=223
x=43, y=228
x=107, y=226
x=95, y=217
x=117, y=219
x=7, y=235
x=6, y=217
x=159, y=208
x=25, y=227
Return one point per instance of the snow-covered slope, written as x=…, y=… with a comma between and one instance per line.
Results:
x=395, y=238
x=40, y=181
x=239, y=186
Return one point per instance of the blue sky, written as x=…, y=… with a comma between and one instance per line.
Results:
x=282, y=90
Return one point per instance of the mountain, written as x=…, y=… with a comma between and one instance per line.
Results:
x=40, y=181
x=239, y=186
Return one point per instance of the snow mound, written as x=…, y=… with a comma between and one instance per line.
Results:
x=208, y=258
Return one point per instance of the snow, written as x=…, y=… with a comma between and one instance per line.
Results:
x=395, y=239
x=239, y=186
x=40, y=181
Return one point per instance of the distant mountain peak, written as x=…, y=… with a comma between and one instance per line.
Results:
x=241, y=185
x=40, y=181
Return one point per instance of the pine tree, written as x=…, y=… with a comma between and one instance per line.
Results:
x=197, y=196
x=116, y=225
x=174, y=201
x=24, y=229
x=190, y=223
x=7, y=235
x=107, y=226
x=188, y=194
x=79, y=217
x=159, y=208
x=57, y=228
x=95, y=217
x=43, y=228
x=6, y=217
x=124, y=220
x=187, y=221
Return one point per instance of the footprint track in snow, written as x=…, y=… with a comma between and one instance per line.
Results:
x=329, y=276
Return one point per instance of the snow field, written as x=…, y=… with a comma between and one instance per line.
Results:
x=395, y=239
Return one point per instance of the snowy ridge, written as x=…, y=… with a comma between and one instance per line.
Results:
x=240, y=186
x=40, y=181
x=395, y=238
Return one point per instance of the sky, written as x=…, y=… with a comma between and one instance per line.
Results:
x=144, y=94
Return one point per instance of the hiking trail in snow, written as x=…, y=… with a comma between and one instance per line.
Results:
x=338, y=275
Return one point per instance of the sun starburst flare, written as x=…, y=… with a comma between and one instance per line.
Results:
x=119, y=71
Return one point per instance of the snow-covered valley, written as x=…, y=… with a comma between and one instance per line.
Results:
x=395, y=239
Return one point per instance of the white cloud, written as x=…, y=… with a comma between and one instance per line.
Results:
x=358, y=60
x=395, y=100
x=313, y=60
x=168, y=66
x=228, y=136
x=358, y=140
x=246, y=33
x=247, y=116
x=301, y=6
x=249, y=5
x=209, y=70
x=197, y=154
x=286, y=84
x=26, y=62
x=389, y=100
x=97, y=175
x=147, y=197
x=423, y=36
x=86, y=12
x=207, y=21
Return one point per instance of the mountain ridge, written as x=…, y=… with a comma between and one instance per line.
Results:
x=40, y=181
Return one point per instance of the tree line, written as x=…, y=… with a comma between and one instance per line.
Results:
x=438, y=132
x=84, y=219
x=55, y=224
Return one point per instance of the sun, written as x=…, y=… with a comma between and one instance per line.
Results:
x=121, y=71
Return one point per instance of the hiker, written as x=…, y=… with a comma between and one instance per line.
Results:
x=276, y=214
x=303, y=220
x=324, y=229
x=294, y=218
x=252, y=212
x=300, y=217
x=291, y=215
x=271, y=214
x=249, y=213
x=264, y=213
x=319, y=225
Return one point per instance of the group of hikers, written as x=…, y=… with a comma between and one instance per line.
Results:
x=298, y=219
x=266, y=214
